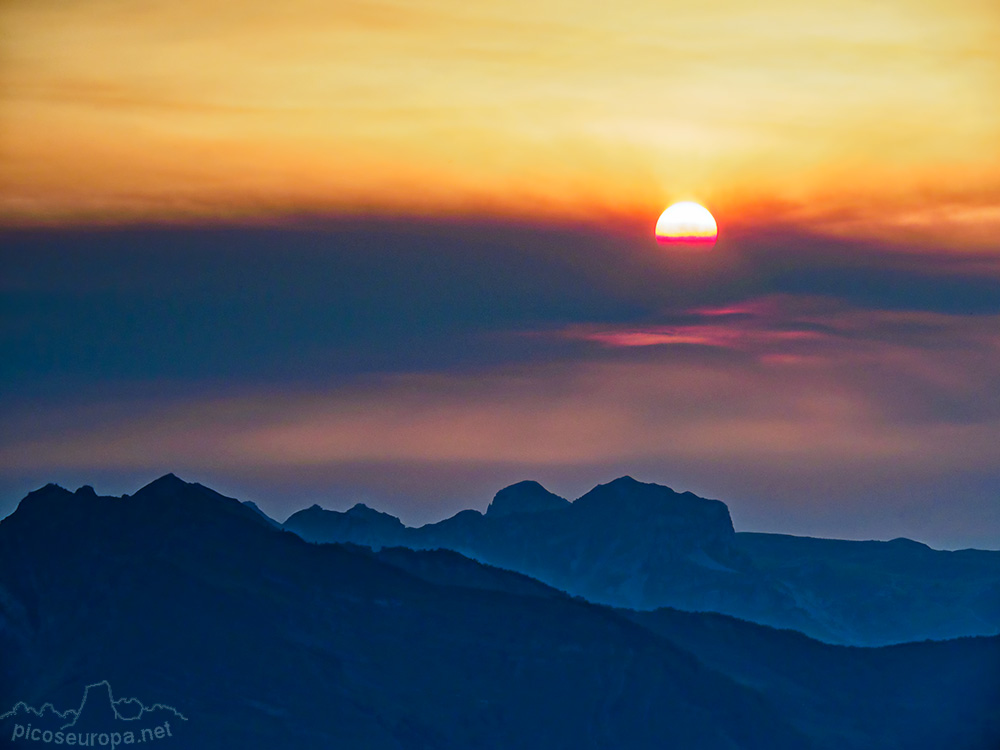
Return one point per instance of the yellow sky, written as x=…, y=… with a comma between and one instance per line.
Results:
x=859, y=116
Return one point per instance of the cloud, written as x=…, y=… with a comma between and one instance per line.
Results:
x=841, y=412
x=377, y=295
x=187, y=112
x=432, y=362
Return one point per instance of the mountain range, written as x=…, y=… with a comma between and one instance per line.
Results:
x=261, y=639
x=644, y=546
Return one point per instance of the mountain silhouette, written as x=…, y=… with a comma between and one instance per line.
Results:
x=269, y=641
x=524, y=497
x=644, y=546
x=359, y=525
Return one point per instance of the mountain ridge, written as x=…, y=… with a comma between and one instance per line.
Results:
x=264, y=640
x=644, y=546
x=331, y=649
x=638, y=545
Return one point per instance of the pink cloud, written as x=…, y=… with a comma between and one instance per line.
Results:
x=811, y=413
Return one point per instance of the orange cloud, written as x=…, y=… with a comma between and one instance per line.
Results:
x=190, y=111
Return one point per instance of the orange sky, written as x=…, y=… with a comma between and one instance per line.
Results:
x=859, y=118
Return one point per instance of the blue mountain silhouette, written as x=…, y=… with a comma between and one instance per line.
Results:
x=270, y=641
x=638, y=545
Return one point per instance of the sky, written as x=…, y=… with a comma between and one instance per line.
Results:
x=403, y=254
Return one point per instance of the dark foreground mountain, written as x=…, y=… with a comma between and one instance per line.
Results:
x=833, y=693
x=258, y=639
x=262, y=640
x=644, y=546
x=953, y=686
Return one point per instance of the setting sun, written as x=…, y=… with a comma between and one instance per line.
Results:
x=392, y=257
x=687, y=223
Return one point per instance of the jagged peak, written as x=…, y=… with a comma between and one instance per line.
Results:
x=527, y=484
x=627, y=482
x=360, y=510
x=171, y=486
x=40, y=500
x=628, y=497
x=625, y=479
x=197, y=500
x=50, y=491
x=524, y=497
x=161, y=499
x=50, y=487
x=167, y=481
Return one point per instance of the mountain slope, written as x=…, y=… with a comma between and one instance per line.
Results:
x=263, y=640
x=359, y=525
x=951, y=689
x=892, y=591
x=636, y=545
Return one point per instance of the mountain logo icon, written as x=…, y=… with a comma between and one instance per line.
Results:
x=100, y=720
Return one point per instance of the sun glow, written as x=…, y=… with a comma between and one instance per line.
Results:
x=687, y=223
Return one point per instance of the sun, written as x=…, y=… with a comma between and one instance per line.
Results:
x=687, y=224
